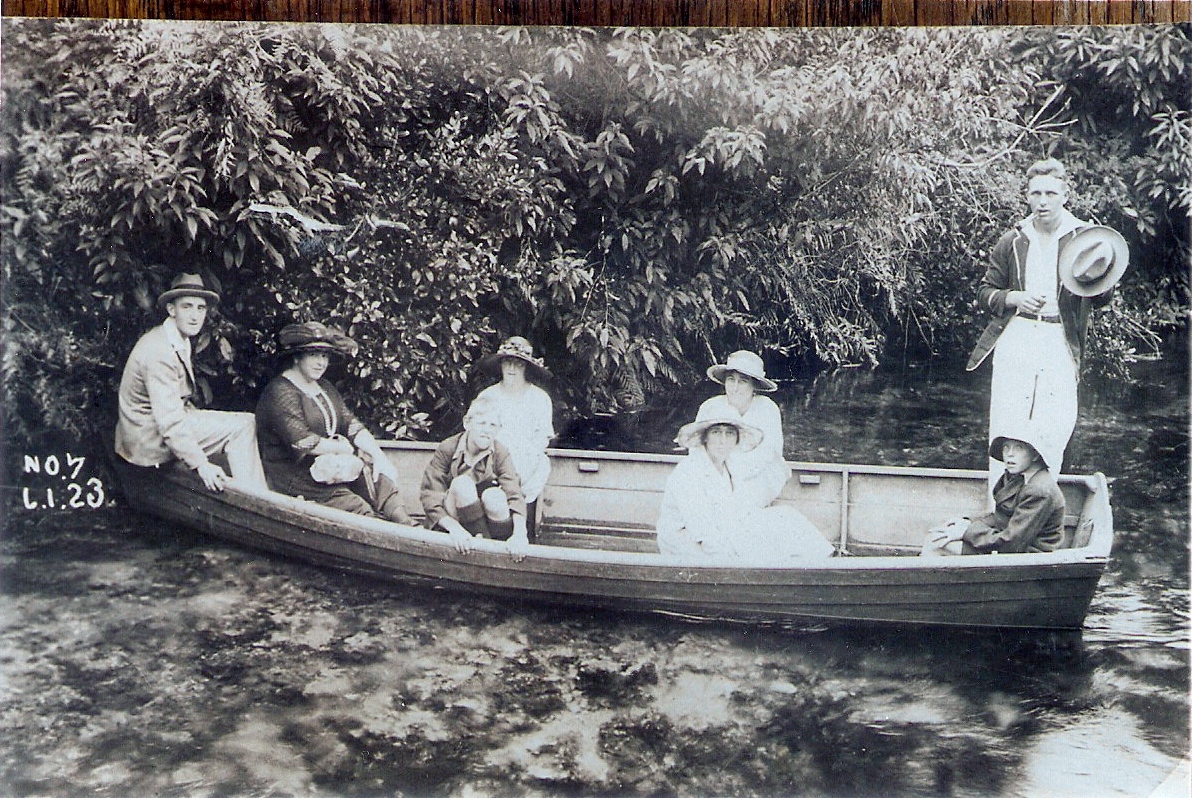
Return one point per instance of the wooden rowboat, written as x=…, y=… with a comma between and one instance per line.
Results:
x=596, y=546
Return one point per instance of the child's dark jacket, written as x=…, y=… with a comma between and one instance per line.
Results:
x=1028, y=517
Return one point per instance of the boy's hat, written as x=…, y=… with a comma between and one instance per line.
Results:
x=520, y=349
x=689, y=435
x=187, y=285
x=1093, y=261
x=1022, y=436
x=746, y=363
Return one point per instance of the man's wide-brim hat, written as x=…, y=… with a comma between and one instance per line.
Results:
x=1093, y=261
x=520, y=349
x=1029, y=437
x=690, y=435
x=187, y=285
x=313, y=336
x=747, y=363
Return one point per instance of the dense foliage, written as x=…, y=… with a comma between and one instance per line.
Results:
x=635, y=201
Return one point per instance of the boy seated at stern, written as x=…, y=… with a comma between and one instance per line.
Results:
x=1028, y=513
x=470, y=487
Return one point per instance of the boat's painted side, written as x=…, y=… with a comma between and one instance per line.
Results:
x=601, y=505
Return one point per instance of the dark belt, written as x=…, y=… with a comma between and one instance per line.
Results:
x=1040, y=317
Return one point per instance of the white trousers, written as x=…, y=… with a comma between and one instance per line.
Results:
x=1033, y=391
x=234, y=434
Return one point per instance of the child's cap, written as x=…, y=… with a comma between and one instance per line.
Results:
x=995, y=446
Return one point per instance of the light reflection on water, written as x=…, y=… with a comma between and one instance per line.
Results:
x=147, y=660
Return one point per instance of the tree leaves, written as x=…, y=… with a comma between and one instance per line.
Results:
x=636, y=201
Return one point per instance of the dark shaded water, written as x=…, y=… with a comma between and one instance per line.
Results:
x=144, y=659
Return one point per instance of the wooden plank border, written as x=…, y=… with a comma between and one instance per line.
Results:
x=717, y=13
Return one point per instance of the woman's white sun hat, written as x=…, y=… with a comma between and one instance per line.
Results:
x=747, y=363
x=690, y=434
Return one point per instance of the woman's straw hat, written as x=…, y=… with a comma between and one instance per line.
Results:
x=690, y=434
x=313, y=336
x=520, y=349
x=746, y=363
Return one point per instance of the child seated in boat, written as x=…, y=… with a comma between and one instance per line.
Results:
x=470, y=487
x=1028, y=513
x=703, y=514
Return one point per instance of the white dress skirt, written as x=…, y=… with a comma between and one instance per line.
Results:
x=1033, y=390
x=702, y=518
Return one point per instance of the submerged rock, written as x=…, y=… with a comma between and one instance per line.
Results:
x=611, y=680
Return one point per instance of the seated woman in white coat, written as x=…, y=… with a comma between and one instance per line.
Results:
x=704, y=516
x=759, y=473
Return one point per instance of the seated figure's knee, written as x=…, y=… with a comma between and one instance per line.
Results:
x=496, y=504
x=246, y=423
x=463, y=489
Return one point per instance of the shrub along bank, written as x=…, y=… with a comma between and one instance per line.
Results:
x=635, y=201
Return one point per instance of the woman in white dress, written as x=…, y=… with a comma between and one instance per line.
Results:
x=526, y=415
x=704, y=516
x=761, y=472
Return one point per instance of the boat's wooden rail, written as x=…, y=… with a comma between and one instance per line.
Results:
x=610, y=500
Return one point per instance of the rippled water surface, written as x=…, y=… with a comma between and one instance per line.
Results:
x=143, y=659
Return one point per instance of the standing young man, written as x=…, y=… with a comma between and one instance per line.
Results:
x=1044, y=278
x=158, y=422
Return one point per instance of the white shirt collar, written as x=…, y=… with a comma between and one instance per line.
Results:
x=177, y=340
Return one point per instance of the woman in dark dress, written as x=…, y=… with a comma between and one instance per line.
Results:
x=312, y=446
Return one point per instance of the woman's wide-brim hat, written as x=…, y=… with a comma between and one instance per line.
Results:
x=1029, y=437
x=1093, y=261
x=313, y=336
x=747, y=363
x=187, y=285
x=691, y=434
x=520, y=349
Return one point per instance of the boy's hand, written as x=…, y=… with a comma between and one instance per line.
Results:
x=462, y=540
x=518, y=546
x=460, y=537
x=951, y=531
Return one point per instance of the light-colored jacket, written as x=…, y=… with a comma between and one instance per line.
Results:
x=699, y=513
x=155, y=389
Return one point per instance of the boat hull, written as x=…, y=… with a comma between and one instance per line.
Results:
x=1006, y=591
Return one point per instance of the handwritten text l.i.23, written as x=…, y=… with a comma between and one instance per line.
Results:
x=65, y=489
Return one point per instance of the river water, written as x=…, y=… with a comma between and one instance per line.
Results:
x=143, y=659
